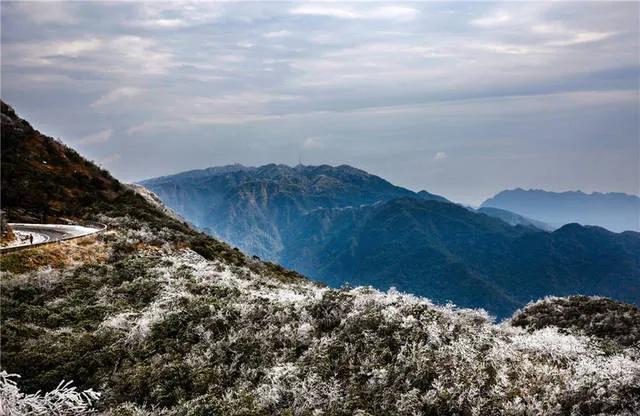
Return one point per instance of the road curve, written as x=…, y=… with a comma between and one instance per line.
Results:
x=47, y=233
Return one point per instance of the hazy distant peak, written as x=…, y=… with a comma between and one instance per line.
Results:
x=615, y=211
x=428, y=195
x=577, y=192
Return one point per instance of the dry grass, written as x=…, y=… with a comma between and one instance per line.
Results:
x=8, y=237
x=147, y=249
x=58, y=255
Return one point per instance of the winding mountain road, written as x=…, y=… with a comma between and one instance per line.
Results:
x=45, y=233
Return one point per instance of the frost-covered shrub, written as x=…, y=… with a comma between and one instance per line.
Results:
x=591, y=315
x=249, y=345
x=61, y=401
x=164, y=331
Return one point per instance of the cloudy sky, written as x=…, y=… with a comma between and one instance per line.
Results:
x=460, y=99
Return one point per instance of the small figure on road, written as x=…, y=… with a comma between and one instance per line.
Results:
x=31, y=238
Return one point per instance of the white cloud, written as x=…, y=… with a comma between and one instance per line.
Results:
x=226, y=109
x=551, y=29
x=582, y=37
x=120, y=54
x=440, y=156
x=139, y=54
x=155, y=126
x=508, y=49
x=158, y=23
x=493, y=20
x=382, y=13
x=116, y=95
x=311, y=143
x=75, y=48
x=186, y=121
x=41, y=53
x=240, y=101
x=277, y=34
x=392, y=12
x=98, y=137
x=340, y=13
x=43, y=12
x=110, y=160
x=177, y=14
x=568, y=37
x=222, y=119
x=510, y=105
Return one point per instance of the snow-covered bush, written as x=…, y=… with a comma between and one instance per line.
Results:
x=591, y=315
x=61, y=401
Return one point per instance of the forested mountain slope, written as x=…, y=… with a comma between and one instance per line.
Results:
x=252, y=207
x=448, y=253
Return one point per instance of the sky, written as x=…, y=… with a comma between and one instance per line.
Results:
x=460, y=99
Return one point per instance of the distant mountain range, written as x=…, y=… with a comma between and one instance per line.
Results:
x=252, y=207
x=614, y=211
x=341, y=224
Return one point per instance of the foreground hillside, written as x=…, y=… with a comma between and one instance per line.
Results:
x=615, y=211
x=342, y=225
x=151, y=318
x=163, y=329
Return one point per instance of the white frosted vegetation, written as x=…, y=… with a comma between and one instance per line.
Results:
x=250, y=344
x=404, y=352
x=62, y=401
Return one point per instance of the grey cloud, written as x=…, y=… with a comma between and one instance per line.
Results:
x=376, y=84
x=97, y=137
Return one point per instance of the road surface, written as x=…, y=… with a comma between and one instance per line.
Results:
x=43, y=233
